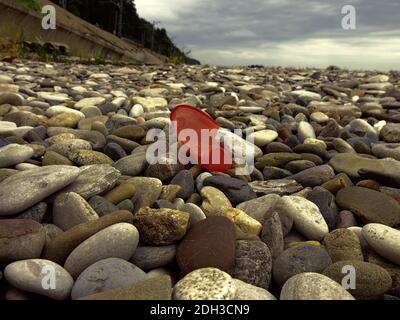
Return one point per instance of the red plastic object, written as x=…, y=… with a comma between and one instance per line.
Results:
x=189, y=117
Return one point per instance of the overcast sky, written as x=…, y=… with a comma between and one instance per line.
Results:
x=282, y=32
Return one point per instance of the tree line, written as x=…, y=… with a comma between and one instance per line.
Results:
x=121, y=18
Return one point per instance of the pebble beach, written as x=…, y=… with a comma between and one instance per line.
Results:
x=317, y=218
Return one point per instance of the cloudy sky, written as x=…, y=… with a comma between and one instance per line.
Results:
x=282, y=32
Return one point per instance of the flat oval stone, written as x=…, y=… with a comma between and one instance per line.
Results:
x=243, y=222
x=205, y=284
x=263, y=137
x=259, y=207
x=20, y=239
x=161, y=226
x=313, y=286
x=371, y=280
x=23, y=190
x=94, y=180
x=307, y=218
x=384, y=240
x=30, y=275
x=299, y=259
x=118, y=241
x=105, y=275
x=61, y=246
x=209, y=243
x=370, y=206
x=147, y=257
x=13, y=154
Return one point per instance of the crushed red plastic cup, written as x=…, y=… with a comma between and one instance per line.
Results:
x=189, y=117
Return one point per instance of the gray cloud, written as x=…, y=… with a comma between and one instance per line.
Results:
x=282, y=32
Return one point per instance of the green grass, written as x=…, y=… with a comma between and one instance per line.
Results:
x=31, y=4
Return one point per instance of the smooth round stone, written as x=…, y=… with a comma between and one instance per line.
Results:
x=131, y=132
x=148, y=190
x=299, y=165
x=371, y=280
x=314, y=176
x=105, y=275
x=253, y=263
x=53, y=158
x=243, y=222
x=307, y=218
x=276, y=159
x=14, y=99
x=132, y=165
x=67, y=119
x=259, y=207
x=236, y=190
x=114, y=151
x=93, y=180
x=196, y=214
x=102, y=206
x=326, y=204
x=245, y=291
x=161, y=226
x=120, y=193
x=384, y=240
x=136, y=111
x=22, y=118
x=88, y=102
x=213, y=240
x=273, y=173
x=343, y=244
x=13, y=154
x=91, y=111
x=342, y=146
x=305, y=130
x=319, y=117
x=117, y=241
x=184, y=179
x=23, y=190
x=56, y=110
x=205, y=284
x=370, y=206
x=146, y=257
x=20, y=239
x=272, y=234
x=214, y=201
x=70, y=209
x=263, y=137
x=298, y=259
x=30, y=275
x=61, y=246
x=313, y=286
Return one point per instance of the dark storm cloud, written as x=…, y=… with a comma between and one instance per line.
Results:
x=269, y=31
